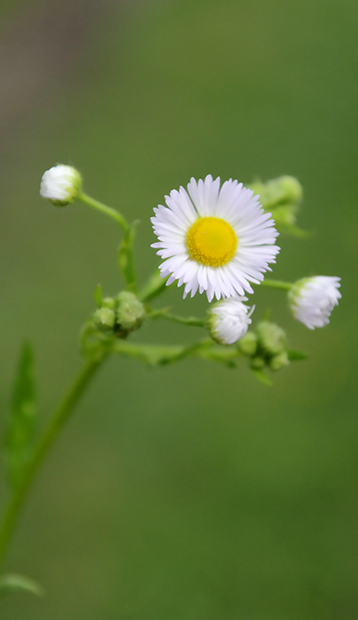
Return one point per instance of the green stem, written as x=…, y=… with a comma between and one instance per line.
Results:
x=154, y=287
x=57, y=420
x=283, y=286
x=112, y=213
x=126, y=259
x=125, y=252
x=181, y=319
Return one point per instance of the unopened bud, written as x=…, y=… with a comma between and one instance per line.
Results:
x=248, y=344
x=279, y=361
x=108, y=302
x=61, y=185
x=283, y=190
x=104, y=318
x=130, y=312
x=271, y=338
x=285, y=215
x=229, y=320
x=290, y=188
x=257, y=363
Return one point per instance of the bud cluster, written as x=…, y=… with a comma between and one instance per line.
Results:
x=119, y=315
x=282, y=197
x=266, y=346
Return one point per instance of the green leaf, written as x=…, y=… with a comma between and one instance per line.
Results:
x=262, y=377
x=21, y=424
x=295, y=356
x=98, y=296
x=17, y=583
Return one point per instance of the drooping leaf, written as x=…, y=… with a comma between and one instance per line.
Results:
x=98, y=296
x=262, y=377
x=19, y=583
x=21, y=423
x=295, y=356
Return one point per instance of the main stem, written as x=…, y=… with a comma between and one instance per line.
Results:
x=57, y=421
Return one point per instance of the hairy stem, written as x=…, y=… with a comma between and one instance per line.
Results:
x=192, y=321
x=57, y=420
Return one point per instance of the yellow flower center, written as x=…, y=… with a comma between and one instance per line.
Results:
x=211, y=241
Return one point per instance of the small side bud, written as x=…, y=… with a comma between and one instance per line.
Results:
x=281, y=191
x=248, y=344
x=108, y=302
x=285, y=215
x=279, y=361
x=61, y=185
x=130, y=311
x=104, y=318
x=271, y=338
x=257, y=363
x=290, y=188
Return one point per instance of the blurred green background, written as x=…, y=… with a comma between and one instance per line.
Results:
x=189, y=492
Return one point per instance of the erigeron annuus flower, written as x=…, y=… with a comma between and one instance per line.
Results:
x=229, y=320
x=215, y=240
x=313, y=299
x=61, y=184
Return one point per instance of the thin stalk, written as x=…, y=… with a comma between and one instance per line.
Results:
x=192, y=321
x=57, y=420
x=112, y=213
x=279, y=284
x=125, y=251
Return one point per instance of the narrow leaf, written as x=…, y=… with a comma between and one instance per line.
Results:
x=18, y=583
x=21, y=424
x=98, y=296
x=262, y=377
x=295, y=356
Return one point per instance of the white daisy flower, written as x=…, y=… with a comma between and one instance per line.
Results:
x=313, y=299
x=61, y=184
x=215, y=240
x=229, y=320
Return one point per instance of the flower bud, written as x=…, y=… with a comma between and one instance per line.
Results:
x=290, y=189
x=283, y=190
x=257, y=363
x=61, y=185
x=313, y=299
x=279, y=361
x=285, y=215
x=229, y=320
x=248, y=344
x=104, y=318
x=271, y=338
x=108, y=302
x=130, y=311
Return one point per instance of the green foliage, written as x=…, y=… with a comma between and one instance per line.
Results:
x=262, y=376
x=19, y=583
x=296, y=356
x=21, y=424
x=98, y=296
